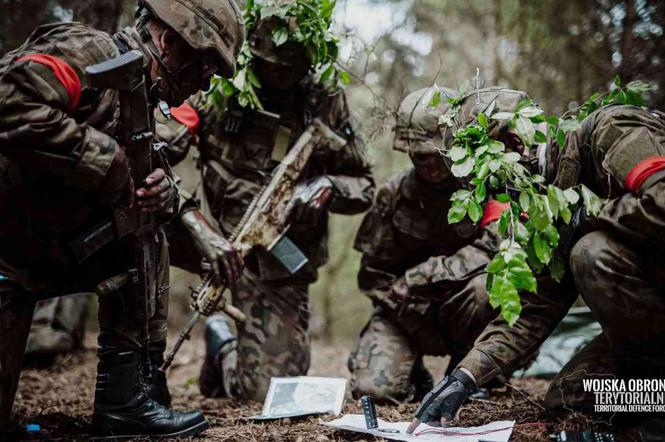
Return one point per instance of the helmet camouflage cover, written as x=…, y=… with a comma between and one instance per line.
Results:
x=214, y=25
x=417, y=129
x=262, y=45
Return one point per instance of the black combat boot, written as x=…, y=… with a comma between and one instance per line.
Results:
x=220, y=340
x=123, y=410
x=159, y=389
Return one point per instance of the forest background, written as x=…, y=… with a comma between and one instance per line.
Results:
x=559, y=51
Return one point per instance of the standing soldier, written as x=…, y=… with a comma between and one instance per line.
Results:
x=426, y=277
x=62, y=171
x=619, y=153
x=239, y=148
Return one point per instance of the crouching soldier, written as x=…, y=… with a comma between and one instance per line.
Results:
x=426, y=277
x=62, y=171
x=618, y=268
x=239, y=148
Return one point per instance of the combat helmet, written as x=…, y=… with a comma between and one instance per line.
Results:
x=417, y=128
x=262, y=45
x=214, y=25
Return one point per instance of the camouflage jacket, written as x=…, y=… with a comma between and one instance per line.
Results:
x=239, y=148
x=54, y=152
x=601, y=154
x=406, y=234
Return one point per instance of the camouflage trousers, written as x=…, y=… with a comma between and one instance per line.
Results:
x=58, y=325
x=274, y=341
x=624, y=288
x=387, y=361
x=119, y=327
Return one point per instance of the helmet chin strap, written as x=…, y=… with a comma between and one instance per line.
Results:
x=155, y=90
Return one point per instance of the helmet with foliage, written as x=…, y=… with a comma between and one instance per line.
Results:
x=214, y=25
x=417, y=128
x=263, y=45
x=288, y=33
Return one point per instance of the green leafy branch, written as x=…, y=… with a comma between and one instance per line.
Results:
x=306, y=22
x=631, y=94
x=528, y=227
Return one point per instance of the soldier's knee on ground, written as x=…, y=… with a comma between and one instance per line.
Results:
x=367, y=382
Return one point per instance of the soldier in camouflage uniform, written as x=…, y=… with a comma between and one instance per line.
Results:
x=425, y=277
x=619, y=153
x=62, y=171
x=239, y=148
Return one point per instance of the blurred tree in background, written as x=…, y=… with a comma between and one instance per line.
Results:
x=560, y=51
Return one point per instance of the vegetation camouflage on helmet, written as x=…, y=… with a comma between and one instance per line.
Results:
x=417, y=128
x=214, y=25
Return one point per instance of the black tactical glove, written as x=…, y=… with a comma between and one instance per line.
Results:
x=442, y=403
x=310, y=200
x=215, y=249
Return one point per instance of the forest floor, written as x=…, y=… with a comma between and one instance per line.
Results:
x=59, y=398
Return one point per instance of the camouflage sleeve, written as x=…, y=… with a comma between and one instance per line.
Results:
x=501, y=349
x=376, y=240
x=348, y=170
x=36, y=126
x=639, y=218
x=460, y=266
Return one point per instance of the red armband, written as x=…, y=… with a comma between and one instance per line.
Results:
x=63, y=72
x=187, y=116
x=493, y=211
x=643, y=170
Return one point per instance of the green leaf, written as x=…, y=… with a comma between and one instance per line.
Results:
x=553, y=201
x=530, y=111
x=496, y=264
x=521, y=232
x=540, y=137
x=279, y=35
x=482, y=120
x=503, y=294
x=345, y=77
x=617, y=80
x=542, y=248
x=570, y=124
x=461, y=194
x=503, y=198
x=435, y=100
x=456, y=213
x=475, y=211
x=561, y=139
x=566, y=215
x=457, y=153
x=525, y=129
x=571, y=196
x=552, y=236
x=557, y=267
x=592, y=202
x=503, y=116
x=481, y=192
x=462, y=169
x=496, y=146
x=512, y=157
x=525, y=200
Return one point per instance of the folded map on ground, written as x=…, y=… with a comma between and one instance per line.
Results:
x=499, y=431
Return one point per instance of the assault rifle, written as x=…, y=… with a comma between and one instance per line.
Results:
x=125, y=74
x=264, y=225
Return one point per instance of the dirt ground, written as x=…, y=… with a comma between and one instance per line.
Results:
x=59, y=398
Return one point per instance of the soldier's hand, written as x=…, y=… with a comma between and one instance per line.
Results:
x=158, y=192
x=225, y=260
x=310, y=200
x=400, y=289
x=440, y=405
x=117, y=186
